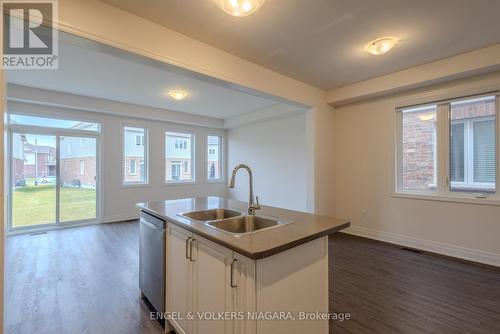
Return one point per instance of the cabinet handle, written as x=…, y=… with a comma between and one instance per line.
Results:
x=191, y=250
x=233, y=285
x=188, y=248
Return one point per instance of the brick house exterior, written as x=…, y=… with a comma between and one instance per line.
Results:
x=78, y=162
x=419, y=143
x=30, y=161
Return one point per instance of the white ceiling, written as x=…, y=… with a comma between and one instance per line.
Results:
x=321, y=41
x=91, y=70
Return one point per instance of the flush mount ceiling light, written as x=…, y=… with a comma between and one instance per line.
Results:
x=177, y=94
x=426, y=117
x=239, y=8
x=381, y=45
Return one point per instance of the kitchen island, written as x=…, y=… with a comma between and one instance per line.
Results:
x=273, y=280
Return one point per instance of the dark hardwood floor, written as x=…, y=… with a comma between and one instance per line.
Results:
x=78, y=280
x=85, y=280
x=390, y=290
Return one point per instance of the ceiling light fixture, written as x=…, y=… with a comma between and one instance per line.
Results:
x=426, y=117
x=239, y=8
x=177, y=94
x=381, y=45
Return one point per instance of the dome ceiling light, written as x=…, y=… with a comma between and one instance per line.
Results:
x=239, y=8
x=177, y=94
x=381, y=45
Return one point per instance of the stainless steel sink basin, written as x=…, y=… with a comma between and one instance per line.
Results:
x=212, y=214
x=246, y=224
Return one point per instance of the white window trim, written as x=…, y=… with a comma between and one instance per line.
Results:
x=221, y=179
x=442, y=192
x=193, y=157
x=147, y=171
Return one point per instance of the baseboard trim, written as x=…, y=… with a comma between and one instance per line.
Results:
x=463, y=253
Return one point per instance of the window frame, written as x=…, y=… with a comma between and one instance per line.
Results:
x=180, y=130
x=443, y=126
x=222, y=178
x=146, y=146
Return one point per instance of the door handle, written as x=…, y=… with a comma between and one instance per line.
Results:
x=188, y=248
x=233, y=285
x=191, y=250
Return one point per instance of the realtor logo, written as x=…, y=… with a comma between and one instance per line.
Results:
x=29, y=38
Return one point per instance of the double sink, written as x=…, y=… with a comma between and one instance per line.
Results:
x=233, y=222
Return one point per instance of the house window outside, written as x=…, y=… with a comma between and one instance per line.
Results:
x=176, y=171
x=214, y=158
x=82, y=167
x=466, y=165
x=135, y=152
x=473, y=145
x=181, y=144
x=419, y=148
x=139, y=140
x=179, y=157
x=133, y=167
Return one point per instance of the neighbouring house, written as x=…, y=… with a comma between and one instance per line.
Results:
x=31, y=161
x=78, y=162
x=178, y=157
x=38, y=162
x=133, y=141
x=472, y=146
x=213, y=157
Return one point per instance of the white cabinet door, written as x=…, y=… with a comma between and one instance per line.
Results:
x=244, y=293
x=212, y=286
x=179, y=278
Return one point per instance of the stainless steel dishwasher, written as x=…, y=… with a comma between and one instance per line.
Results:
x=152, y=261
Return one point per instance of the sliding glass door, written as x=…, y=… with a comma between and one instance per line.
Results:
x=34, y=183
x=78, y=178
x=53, y=179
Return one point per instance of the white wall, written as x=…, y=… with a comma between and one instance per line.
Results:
x=365, y=135
x=118, y=200
x=277, y=153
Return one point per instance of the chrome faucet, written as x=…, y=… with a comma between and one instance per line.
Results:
x=252, y=206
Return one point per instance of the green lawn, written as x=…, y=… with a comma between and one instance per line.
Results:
x=34, y=205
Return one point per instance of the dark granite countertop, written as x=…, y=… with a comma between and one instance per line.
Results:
x=306, y=226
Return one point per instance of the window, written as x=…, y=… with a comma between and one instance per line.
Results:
x=214, y=158
x=473, y=145
x=181, y=144
x=465, y=130
x=82, y=142
x=176, y=170
x=419, y=148
x=82, y=167
x=53, y=123
x=133, y=167
x=179, y=157
x=135, y=152
x=139, y=140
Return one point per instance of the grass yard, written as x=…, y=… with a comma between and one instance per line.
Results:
x=37, y=205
